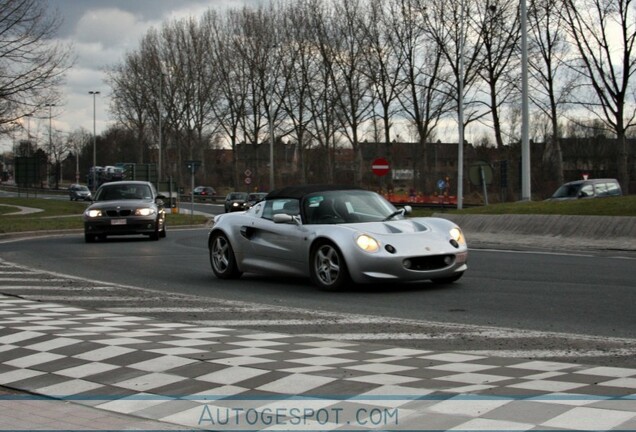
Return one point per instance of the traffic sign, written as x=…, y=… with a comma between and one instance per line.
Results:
x=380, y=167
x=479, y=172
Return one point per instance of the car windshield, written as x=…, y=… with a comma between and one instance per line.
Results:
x=567, y=191
x=238, y=196
x=123, y=192
x=348, y=206
x=82, y=188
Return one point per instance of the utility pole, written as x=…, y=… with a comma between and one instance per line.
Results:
x=94, y=93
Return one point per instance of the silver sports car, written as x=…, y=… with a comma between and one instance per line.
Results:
x=335, y=235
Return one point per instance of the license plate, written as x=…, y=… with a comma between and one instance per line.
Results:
x=118, y=222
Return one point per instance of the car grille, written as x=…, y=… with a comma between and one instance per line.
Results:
x=427, y=263
x=121, y=212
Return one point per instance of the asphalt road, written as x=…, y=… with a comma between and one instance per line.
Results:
x=571, y=307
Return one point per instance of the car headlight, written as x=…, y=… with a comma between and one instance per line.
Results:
x=367, y=243
x=144, y=211
x=457, y=235
x=93, y=213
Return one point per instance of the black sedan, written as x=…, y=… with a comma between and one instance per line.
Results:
x=125, y=208
x=235, y=201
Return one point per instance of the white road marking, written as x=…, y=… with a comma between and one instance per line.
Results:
x=445, y=330
x=2, y=279
x=55, y=288
x=554, y=353
x=53, y=298
x=531, y=252
x=134, y=310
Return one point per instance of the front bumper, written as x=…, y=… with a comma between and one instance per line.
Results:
x=369, y=268
x=129, y=226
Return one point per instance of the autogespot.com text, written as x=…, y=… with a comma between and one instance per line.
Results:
x=301, y=417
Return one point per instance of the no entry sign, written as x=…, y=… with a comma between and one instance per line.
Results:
x=380, y=167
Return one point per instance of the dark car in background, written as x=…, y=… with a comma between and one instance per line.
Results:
x=125, y=208
x=255, y=197
x=590, y=188
x=204, y=193
x=235, y=201
x=78, y=192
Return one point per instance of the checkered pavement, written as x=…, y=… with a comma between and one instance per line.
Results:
x=226, y=379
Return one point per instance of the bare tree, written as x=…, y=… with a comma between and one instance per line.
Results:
x=347, y=52
x=551, y=86
x=500, y=33
x=427, y=94
x=258, y=45
x=231, y=71
x=129, y=102
x=191, y=85
x=31, y=65
x=323, y=94
x=384, y=65
x=604, y=34
x=300, y=73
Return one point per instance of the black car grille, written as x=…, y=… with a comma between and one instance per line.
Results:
x=116, y=213
x=432, y=262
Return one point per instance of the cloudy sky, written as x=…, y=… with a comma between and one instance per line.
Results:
x=101, y=31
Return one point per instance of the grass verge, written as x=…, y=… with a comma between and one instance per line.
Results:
x=615, y=206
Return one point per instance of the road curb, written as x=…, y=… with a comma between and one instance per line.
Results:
x=549, y=231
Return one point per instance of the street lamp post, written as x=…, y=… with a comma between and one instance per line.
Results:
x=94, y=93
x=161, y=75
x=50, y=106
x=460, y=112
x=526, y=189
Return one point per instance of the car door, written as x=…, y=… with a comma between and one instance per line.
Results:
x=284, y=244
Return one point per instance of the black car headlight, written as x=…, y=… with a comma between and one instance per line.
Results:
x=94, y=213
x=146, y=211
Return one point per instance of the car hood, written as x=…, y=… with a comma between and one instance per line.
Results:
x=405, y=235
x=122, y=203
x=408, y=226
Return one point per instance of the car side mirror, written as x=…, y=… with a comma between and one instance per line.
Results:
x=284, y=218
x=407, y=210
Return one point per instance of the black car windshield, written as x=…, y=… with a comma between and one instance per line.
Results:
x=123, y=192
x=238, y=196
x=347, y=206
x=568, y=191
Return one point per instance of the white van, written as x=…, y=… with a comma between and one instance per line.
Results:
x=590, y=188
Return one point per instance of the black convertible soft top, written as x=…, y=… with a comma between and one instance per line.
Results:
x=300, y=191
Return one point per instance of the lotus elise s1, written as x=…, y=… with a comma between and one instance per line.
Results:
x=335, y=235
